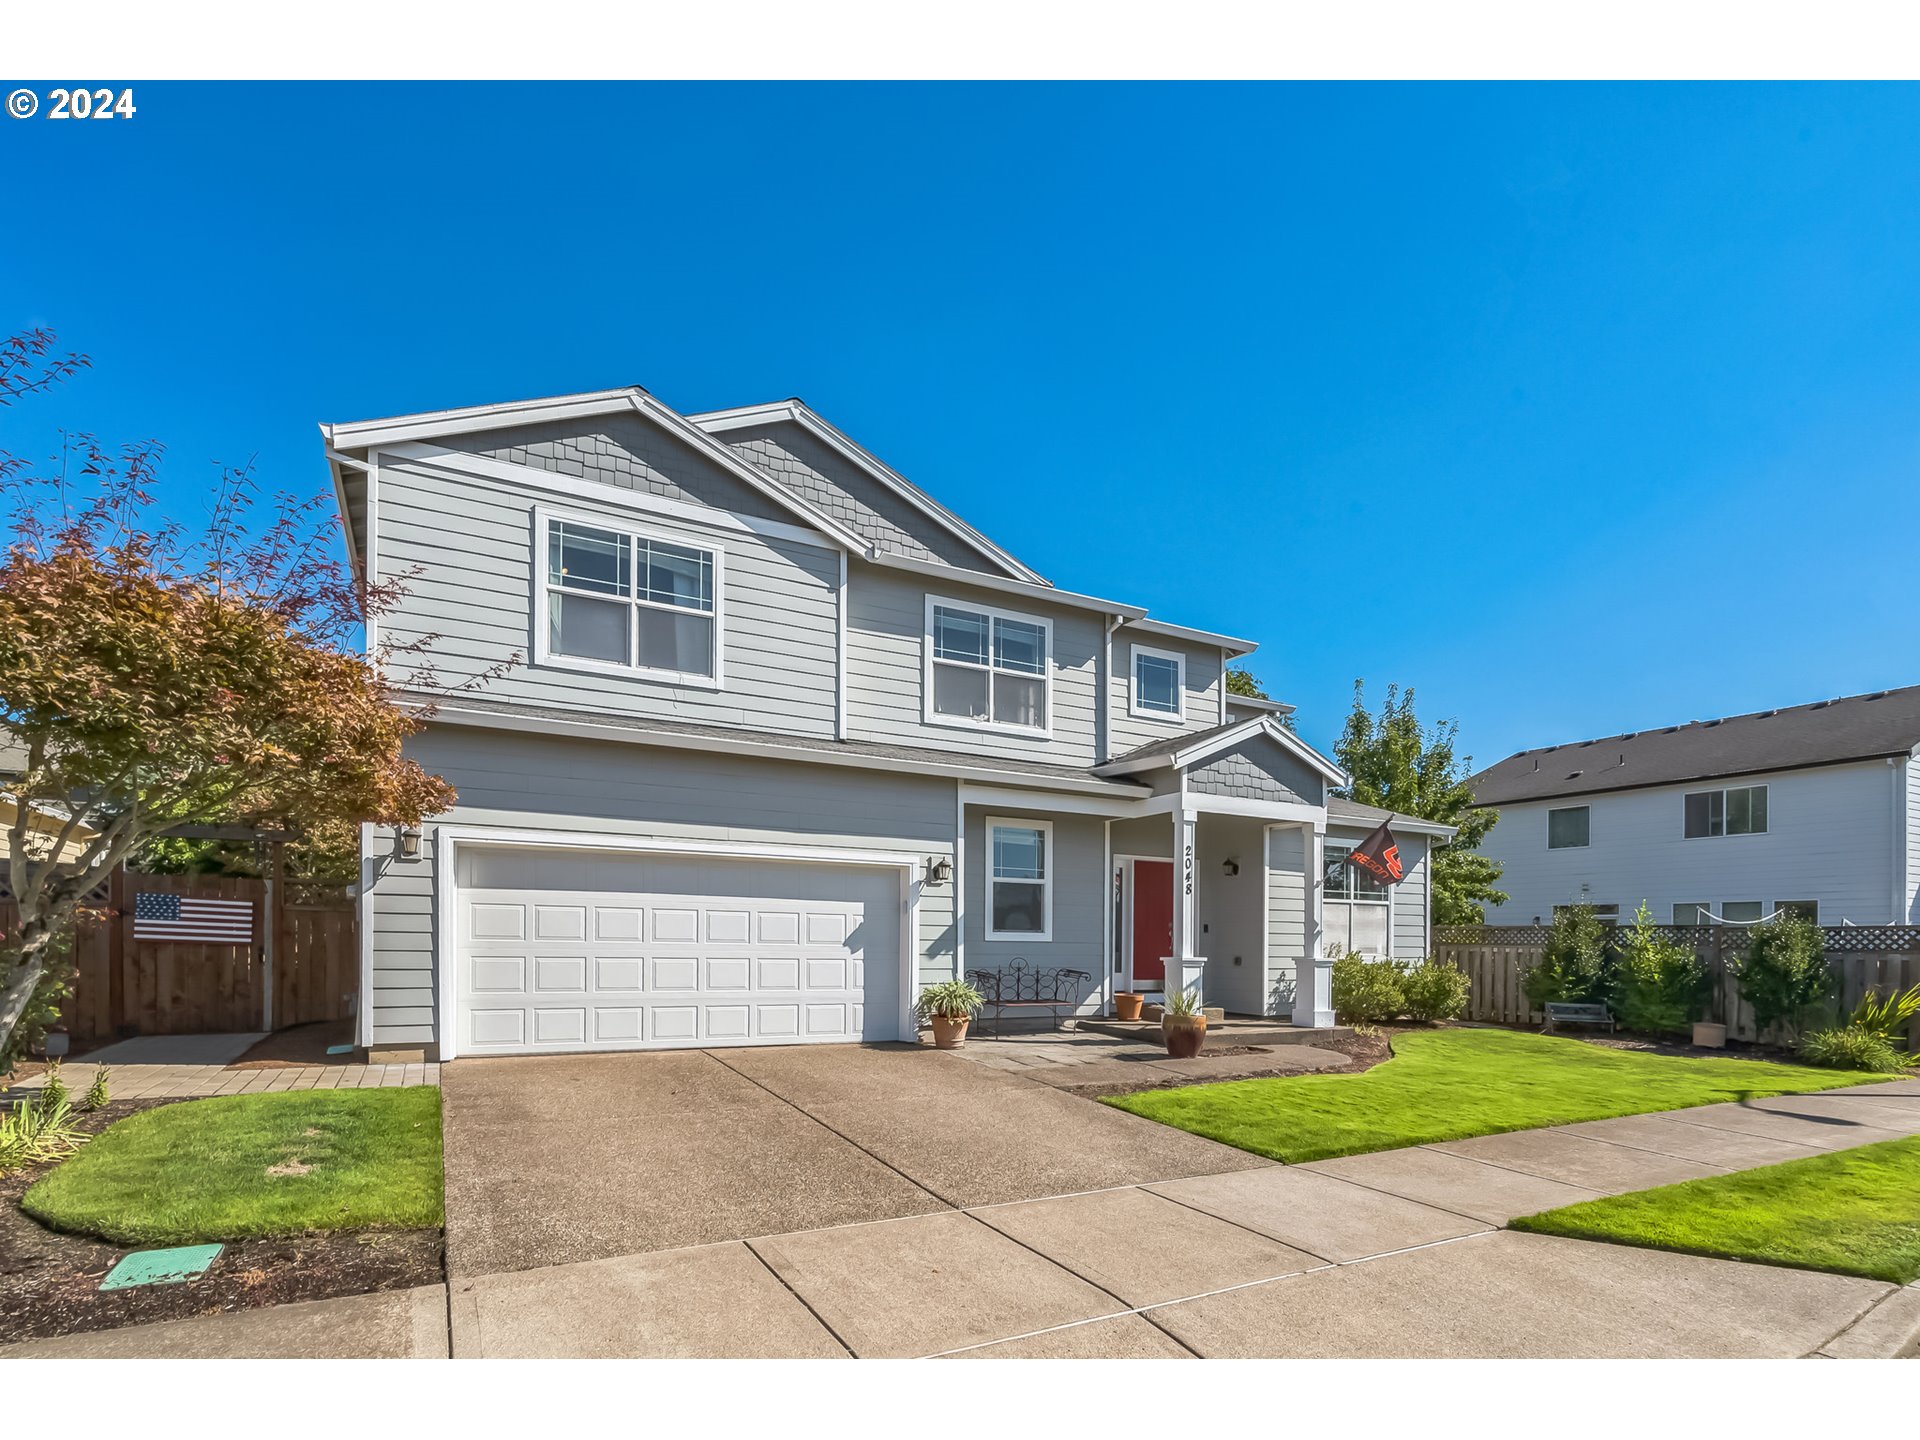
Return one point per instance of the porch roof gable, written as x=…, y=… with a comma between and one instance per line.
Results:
x=1182, y=752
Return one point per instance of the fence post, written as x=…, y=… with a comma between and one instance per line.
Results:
x=274, y=902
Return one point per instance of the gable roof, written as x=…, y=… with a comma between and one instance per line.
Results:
x=1183, y=751
x=798, y=413
x=1826, y=732
x=1345, y=812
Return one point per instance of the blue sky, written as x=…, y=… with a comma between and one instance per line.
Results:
x=1579, y=408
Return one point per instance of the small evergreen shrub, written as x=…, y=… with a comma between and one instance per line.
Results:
x=1784, y=975
x=1574, y=966
x=1658, y=987
x=1435, y=990
x=1852, y=1047
x=1371, y=991
x=97, y=1093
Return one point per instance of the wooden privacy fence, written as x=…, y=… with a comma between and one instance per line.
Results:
x=123, y=986
x=1882, y=958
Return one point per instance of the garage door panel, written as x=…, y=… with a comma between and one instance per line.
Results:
x=742, y=953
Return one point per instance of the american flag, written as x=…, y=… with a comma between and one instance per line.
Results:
x=189, y=917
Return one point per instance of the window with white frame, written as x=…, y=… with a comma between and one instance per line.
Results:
x=987, y=667
x=1738, y=811
x=626, y=600
x=1159, y=683
x=1567, y=829
x=1354, y=912
x=1019, y=879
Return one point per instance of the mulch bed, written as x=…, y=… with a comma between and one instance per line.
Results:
x=1365, y=1051
x=49, y=1282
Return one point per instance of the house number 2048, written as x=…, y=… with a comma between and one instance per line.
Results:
x=1187, y=866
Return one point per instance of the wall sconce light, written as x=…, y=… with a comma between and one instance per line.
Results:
x=1229, y=867
x=939, y=870
x=409, y=839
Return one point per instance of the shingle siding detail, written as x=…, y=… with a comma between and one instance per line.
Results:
x=1257, y=770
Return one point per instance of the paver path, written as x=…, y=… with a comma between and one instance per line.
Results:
x=194, y=1067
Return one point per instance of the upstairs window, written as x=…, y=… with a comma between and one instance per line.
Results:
x=1159, y=683
x=1567, y=829
x=623, y=600
x=1741, y=811
x=986, y=667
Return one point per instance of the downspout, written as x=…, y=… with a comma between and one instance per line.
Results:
x=959, y=880
x=1102, y=740
x=1897, y=850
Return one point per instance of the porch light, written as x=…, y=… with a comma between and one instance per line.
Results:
x=1229, y=867
x=939, y=870
x=409, y=838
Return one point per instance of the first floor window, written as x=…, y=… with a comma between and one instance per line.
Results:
x=633, y=601
x=1567, y=829
x=1740, y=912
x=1354, y=916
x=1693, y=913
x=1350, y=882
x=1739, y=811
x=1019, y=884
x=989, y=667
x=1158, y=679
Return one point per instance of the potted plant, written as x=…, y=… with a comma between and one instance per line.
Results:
x=1184, y=1025
x=1127, y=1003
x=950, y=1006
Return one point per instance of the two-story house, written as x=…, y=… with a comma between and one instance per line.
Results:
x=783, y=739
x=1814, y=809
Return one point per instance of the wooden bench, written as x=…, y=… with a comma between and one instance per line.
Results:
x=1024, y=987
x=1565, y=1012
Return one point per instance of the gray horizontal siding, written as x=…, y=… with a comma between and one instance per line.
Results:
x=535, y=782
x=1079, y=890
x=1199, y=711
x=886, y=646
x=1286, y=912
x=465, y=550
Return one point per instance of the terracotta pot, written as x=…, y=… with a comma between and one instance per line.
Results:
x=1127, y=1005
x=950, y=1034
x=1709, y=1034
x=1184, y=1034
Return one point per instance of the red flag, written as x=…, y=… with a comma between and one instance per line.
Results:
x=1379, y=856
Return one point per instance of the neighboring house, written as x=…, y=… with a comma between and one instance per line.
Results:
x=788, y=740
x=1814, y=809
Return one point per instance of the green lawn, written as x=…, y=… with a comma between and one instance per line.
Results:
x=205, y=1170
x=1453, y=1084
x=1855, y=1212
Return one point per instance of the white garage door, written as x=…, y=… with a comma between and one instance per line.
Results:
x=567, y=950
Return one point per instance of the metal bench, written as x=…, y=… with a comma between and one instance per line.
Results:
x=1024, y=987
x=1565, y=1012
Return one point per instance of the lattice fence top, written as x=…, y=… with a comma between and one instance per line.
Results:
x=1841, y=939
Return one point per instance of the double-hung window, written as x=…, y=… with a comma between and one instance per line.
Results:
x=625, y=600
x=1159, y=683
x=1739, y=811
x=1354, y=916
x=1019, y=880
x=986, y=667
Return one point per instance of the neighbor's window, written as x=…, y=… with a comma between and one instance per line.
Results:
x=1159, y=679
x=1804, y=909
x=632, y=601
x=1740, y=912
x=1741, y=811
x=1567, y=829
x=1020, y=881
x=1605, y=914
x=988, y=667
x=1693, y=913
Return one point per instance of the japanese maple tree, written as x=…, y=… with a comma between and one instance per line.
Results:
x=153, y=677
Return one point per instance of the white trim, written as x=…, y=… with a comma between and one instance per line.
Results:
x=960, y=880
x=956, y=722
x=1106, y=919
x=507, y=472
x=452, y=714
x=1044, y=594
x=372, y=624
x=543, y=587
x=448, y=838
x=1223, y=685
x=1363, y=827
x=334, y=463
x=840, y=652
x=1007, y=798
x=1254, y=702
x=1205, y=804
x=1222, y=740
x=369, y=876
x=1048, y=866
x=1135, y=654
x=851, y=451
x=1203, y=637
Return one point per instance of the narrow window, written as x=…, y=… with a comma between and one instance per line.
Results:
x=1020, y=880
x=1159, y=680
x=1567, y=829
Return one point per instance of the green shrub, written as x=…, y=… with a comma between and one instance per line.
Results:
x=31, y=1131
x=1890, y=1017
x=1658, y=987
x=1574, y=966
x=97, y=1093
x=1435, y=990
x=1367, y=990
x=1784, y=975
x=1851, y=1047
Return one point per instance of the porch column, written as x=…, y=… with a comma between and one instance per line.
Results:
x=1313, y=982
x=1183, y=966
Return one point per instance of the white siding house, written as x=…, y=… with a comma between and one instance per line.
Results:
x=1814, y=808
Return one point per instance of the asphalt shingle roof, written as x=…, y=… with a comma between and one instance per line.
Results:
x=1827, y=732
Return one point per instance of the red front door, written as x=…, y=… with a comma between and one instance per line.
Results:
x=1152, y=919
